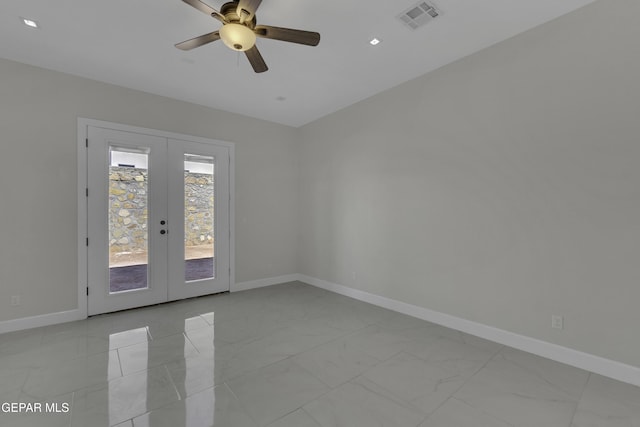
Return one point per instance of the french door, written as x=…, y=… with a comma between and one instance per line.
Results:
x=158, y=219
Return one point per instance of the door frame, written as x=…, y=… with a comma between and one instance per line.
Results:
x=83, y=175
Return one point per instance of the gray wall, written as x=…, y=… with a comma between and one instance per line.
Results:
x=38, y=122
x=502, y=189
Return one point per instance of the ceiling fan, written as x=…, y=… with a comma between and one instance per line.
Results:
x=239, y=31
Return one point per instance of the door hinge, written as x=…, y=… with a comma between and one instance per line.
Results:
x=87, y=191
x=87, y=290
x=87, y=241
x=86, y=142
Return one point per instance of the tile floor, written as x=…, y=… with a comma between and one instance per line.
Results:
x=291, y=355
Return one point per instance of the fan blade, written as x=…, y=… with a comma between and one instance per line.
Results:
x=288, y=35
x=247, y=9
x=255, y=58
x=202, y=7
x=205, y=8
x=198, y=41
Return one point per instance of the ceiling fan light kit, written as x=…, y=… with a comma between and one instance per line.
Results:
x=237, y=37
x=239, y=31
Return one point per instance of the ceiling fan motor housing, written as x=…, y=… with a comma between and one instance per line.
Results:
x=230, y=12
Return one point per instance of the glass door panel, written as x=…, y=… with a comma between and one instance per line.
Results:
x=199, y=217
x=128, y=214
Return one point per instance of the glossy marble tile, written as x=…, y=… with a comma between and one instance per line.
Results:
x=443, y=332
x=74, y=374
x=455, y=413
x=233, y=360
x=361, y=405
x=129, y=337
x=64, y=331
x=570, y=380
x=156, y=352
x=152, y=318
x=347, y=314
x=204, y=339
x=123, y=398
x=12, y=379
x=523, y=396
x=174, y=324
x=194, y=374
x=10, y=396
x=379, y=342
x=271, y=392
x=471, y=340
x=209, y=317
x=46, y=354
x=608, y=403
x=94, y=342
x=426, y=384
x=209, y=408
x=336, y=362
x=410, y=327
x=466, y=356
x=17, y=342
x=88, y=345
x=251, y=326
x=236, y=306
x=296, y=338
x=297, y=418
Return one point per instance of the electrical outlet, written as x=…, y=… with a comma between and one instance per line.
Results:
x=15, y=300
x=557, y=322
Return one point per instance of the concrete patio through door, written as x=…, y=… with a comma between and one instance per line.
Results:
x=128, y=270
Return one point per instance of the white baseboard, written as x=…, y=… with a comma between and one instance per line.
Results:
x=41, y=320
x=260, y=283
x=599, y=365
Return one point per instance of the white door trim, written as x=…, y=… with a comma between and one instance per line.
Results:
x=82, y=134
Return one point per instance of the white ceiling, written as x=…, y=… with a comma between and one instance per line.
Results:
x=130, y=43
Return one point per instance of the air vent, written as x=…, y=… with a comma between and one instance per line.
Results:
x=419, y=14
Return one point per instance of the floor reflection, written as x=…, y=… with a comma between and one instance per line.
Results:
x=174, y=372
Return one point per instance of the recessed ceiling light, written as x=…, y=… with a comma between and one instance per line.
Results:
x=374, y=41
x=30, y=23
